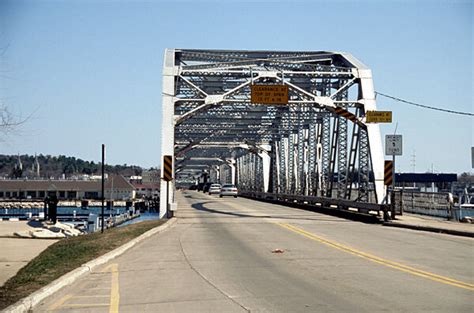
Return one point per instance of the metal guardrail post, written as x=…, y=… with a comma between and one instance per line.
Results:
x=392, y=204
x=401, y=202
x=450, y=200
x=385, y=214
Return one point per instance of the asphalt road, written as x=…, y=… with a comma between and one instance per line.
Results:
x=239, y=255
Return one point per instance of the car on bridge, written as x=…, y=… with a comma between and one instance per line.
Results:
x=228, y=190
x=215, y=189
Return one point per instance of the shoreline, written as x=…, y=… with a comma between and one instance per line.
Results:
x=39, y=204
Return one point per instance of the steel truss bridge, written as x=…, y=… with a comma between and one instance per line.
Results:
x=318, y=148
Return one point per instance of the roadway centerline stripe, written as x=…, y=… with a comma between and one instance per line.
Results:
x=376, y=259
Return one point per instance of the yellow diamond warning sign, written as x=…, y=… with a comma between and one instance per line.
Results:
x=269, y=94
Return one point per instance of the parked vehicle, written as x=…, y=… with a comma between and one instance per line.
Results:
x=215, y=189
x=228, y=190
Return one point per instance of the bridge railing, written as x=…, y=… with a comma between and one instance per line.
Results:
x=328, y=203
x=431, y=204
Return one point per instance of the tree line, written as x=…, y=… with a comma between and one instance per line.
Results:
x=56, y=166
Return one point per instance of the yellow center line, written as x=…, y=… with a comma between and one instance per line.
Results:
x=379, y=260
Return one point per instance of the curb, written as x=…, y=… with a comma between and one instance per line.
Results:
x=431, y=229
x=26, y=304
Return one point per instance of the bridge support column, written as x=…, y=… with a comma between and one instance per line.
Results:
x=232, y=165
x=218, y=174
x=167, y=189
x=375, y=142
x=266, y=170
x=265, y=155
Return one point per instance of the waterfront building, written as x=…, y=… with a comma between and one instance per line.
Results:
x=426, y=182
x=116, y=188
x=151, y=176
x=147, y=190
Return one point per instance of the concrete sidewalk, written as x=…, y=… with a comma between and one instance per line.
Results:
x=426, y=223
x=17, y=252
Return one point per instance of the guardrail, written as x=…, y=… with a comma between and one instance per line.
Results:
x=430, y=203
x=328, y=203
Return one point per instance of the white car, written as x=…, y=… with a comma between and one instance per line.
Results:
x=228, y=190
x=215, y=189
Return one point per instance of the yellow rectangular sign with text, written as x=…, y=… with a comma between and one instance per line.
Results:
x=378, y=116
x=269, y=94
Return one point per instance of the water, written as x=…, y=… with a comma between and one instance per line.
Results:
x=63, y=211
x=143, y=217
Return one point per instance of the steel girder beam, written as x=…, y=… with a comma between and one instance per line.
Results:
x=283, y=172
x=342, y=148
x=274, y=159
x=210, y=95
x=352, y=159
x=312, y=155
x=300, y=174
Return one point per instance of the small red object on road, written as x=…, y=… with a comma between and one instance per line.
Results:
x=277, y=251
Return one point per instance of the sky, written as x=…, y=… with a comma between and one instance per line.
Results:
x=85, y=73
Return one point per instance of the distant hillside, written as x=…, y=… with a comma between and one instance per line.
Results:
x=56, y=166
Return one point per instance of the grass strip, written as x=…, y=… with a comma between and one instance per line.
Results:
x=65, y=256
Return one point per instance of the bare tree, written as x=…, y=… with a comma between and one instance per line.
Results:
x=9, y=122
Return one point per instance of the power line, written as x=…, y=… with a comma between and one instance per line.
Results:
x=424, y=106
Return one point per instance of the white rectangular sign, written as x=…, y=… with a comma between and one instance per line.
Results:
x=393, y=145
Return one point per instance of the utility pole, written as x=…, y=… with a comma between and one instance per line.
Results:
x=103, y=185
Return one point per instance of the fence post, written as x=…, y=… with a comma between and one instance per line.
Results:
x=450, y=200
x=401, y=202
x=392, y=204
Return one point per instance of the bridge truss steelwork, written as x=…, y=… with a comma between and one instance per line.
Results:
x=318, y=145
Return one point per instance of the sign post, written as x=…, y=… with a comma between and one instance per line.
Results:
x=168, y=176
x=388, y=181
x=103, y=190
x=393, y=147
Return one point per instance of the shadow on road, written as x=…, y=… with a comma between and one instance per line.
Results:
x=344, y=216
x=201, y=207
